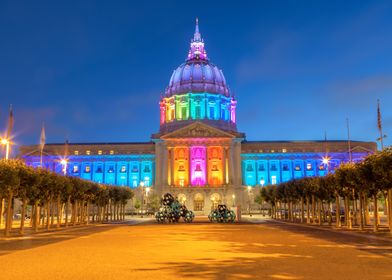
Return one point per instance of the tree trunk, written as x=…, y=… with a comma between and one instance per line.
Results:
x=375, y=217
x=73, y=217
x=355, y=208
x=58, y=211
x=23, y=214
x=366, y=208
x=88, y=212
x=337, y=202
x=67, y=210
x=51, y=211
x=1, y=210
x=48, y=214
x=348, y=214
x=313, y=210
x=360, y=211
x=390, y=209
x=307, y=211
x=320, y=205
x=10, y=213
x=37, y=217
x=302, y=210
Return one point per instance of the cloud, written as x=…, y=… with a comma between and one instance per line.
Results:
x=359, y=91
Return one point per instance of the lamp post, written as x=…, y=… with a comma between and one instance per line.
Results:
x=147, y=192
x=249, y=190
x=326, y=161
x=64, y=163
x=6, y=143
x=141, y=187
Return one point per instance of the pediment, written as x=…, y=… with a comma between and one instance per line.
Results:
x=198, y=130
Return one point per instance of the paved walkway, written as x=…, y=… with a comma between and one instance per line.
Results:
x=268, y=250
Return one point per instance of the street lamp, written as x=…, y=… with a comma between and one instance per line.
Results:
x=147, y=191
x=6, y=143
x=326, y=161
x=64, y=163
x=249, y=190
x=141, y=184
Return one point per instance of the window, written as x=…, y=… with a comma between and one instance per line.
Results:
x=197, y=112
x=214, y=167
x=183, y=113
x=181, y=168
x=87, y=169
x=284, y=150
x=88, y=152
x=297, y=167
x=272, y=151
x=172, y=114
x=134, y=183
x=273, y=167
x=111, y=169
x=273, y=180
x=111, y=152
x=99, y=169
x=123, y=169
x=146, y=169
x=99, y=152
x=212, y=112
x=75, y=169
x=321, y=167
x=286, y=167
x=261, y=167
x=249, y=167
x=198, y=205
x=223, y=114
x=309, y=166
x=76, y=153
x=135, y=169
x=181, y=182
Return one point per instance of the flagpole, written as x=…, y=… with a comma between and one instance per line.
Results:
x=379, y=124
x=348, y=140
x=42, y=143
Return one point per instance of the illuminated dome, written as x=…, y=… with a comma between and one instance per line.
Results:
x=197, y=91
x=197, y=74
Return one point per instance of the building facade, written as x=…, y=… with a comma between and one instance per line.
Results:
x=198, y=155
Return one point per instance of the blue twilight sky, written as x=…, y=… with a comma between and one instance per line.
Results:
x=93, y=71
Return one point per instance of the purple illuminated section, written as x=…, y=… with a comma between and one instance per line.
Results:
x=197, y=50
x=233, y=105
x=198, y=166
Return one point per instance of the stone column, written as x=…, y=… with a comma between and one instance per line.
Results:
x=164, y=167
x=158, y=166
x=169, y=168
x=223, y=165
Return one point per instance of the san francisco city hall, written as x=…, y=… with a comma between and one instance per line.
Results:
x=198, y=155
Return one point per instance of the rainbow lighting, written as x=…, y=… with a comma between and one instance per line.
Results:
x=197, y=91
x=197, y=155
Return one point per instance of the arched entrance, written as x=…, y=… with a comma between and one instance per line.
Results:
x=215, y=200
x=198, y=202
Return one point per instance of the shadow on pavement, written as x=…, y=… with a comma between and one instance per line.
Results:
x=9, y=245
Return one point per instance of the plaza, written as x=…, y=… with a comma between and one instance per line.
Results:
x=262, y=249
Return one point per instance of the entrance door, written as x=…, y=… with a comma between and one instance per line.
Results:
x=198, y=202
